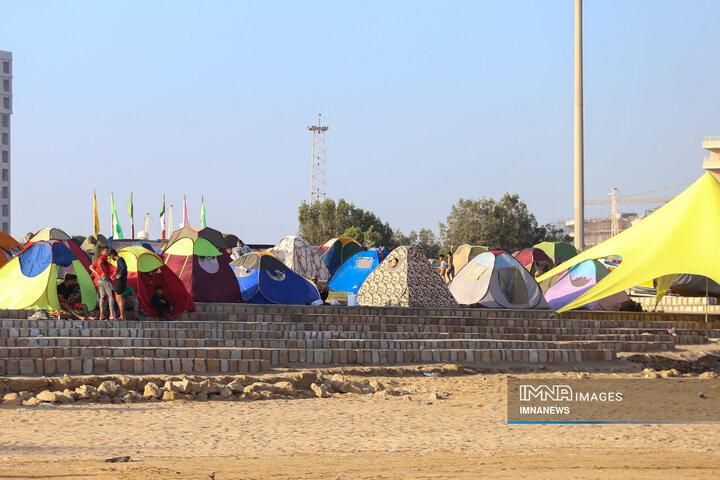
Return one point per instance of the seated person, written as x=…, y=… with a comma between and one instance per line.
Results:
x=160, y=302
x=131, y=301
x=68, y=293
x=322, y=288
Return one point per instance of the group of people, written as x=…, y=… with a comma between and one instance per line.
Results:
x=446, y=269
x=112, y=288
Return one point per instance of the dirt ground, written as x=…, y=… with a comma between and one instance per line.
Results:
x=350, y=436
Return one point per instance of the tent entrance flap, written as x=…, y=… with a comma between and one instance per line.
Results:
x=513, y=285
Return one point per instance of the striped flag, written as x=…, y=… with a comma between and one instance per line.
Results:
x=162, y=219
x=203, y=219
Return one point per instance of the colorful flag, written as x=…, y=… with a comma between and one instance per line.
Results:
x=96, y=220
x=186, y=222
x=130, y=214
x=203, y=220
x=162, y=219
x=116, y=228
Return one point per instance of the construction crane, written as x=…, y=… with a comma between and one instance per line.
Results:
x=616, y=198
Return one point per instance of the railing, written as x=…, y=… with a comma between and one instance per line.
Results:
x=715, y=138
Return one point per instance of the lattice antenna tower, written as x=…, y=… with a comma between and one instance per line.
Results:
x=317, y=169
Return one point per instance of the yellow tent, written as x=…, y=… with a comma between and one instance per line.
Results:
x=680, y=237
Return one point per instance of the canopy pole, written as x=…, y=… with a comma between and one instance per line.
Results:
x=707, y=281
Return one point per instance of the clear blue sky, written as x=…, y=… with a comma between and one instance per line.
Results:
x=427, y=102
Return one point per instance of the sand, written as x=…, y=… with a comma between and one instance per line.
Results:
x=351, y=436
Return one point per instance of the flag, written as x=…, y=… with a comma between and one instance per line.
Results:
x=186, y=222
x=162, y=219
x=116, y=228
x=132, y=218
x=96, y=220
x=203, y=220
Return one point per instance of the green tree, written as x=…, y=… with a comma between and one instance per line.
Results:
x=425, y=240
x=504, y=224
x=321, y=221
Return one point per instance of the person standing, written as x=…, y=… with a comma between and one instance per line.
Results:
x=121, y=273
x=443, y=266
x=101, y=271
x=450, y=270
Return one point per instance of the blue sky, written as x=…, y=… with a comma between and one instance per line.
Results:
x=427, y=102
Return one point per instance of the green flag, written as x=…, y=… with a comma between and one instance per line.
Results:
x=116, y=228
x=130, y=207
x=203, y=220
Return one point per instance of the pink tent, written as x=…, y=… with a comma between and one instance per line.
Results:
x=577, y=281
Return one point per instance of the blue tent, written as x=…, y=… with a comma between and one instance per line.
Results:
x=272, y=282
x=351, y=274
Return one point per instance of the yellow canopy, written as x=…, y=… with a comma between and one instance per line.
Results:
x=680, y=237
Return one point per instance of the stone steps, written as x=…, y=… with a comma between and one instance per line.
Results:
x=234, y=338
x=13, y=327
x=49, y=366
x=26, y=347
x=96, y=362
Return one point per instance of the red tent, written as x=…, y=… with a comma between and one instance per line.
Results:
x=146, y=270
x=534, y=260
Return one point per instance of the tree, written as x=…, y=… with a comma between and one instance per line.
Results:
x=506, y=224
x=321, y=221
x=425, y=240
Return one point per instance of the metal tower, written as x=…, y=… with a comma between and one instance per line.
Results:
x=317, y=170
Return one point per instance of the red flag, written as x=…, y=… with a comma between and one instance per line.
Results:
x=186, y=222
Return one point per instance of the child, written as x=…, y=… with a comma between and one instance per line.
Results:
x=443, y=266
x=160, y=302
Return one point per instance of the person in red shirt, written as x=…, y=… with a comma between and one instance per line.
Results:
x=102, y=273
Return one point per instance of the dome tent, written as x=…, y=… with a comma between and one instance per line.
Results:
x=464, y=253
x=9, y=247
x=536, y=261
x=146, y=270
x=205, y=271
x=30, y=280
x=336, y=250
x=557, y=251
x=576, y=281
x=495, y=279
x=265, y=279
x=405, y=278
x=210, y=234
x=298, y=255
x=351, y=274
x=59, y=235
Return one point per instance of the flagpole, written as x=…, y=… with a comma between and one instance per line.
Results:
x=96, y=220
x=163, y=223
x=171, y=228
x=132, y=216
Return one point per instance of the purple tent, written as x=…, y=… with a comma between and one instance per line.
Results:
x=577, y=281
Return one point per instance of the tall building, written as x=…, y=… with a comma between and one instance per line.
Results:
x=5, y=112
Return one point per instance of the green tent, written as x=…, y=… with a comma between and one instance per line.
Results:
x=558, y=251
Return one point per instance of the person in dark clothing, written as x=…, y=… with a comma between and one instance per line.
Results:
x=69, y=296
x=160, y=302
x=322, y=289
x=120, y=283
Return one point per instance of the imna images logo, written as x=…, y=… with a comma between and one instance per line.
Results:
x=545, y=393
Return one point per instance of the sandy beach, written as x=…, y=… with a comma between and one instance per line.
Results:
x=461, y=435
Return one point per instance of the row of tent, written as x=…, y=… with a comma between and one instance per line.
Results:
x=193, y=267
